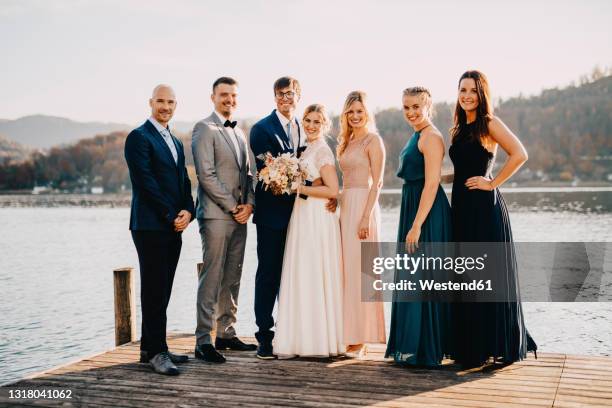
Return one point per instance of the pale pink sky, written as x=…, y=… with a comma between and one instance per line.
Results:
x=99, y=60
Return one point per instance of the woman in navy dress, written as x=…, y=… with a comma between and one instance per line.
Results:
x=419, y=330
x=484, y=330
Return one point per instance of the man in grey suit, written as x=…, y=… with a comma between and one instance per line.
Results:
x=225, y=202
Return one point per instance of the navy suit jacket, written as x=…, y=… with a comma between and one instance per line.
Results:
x=160, y=187
x=268, y=135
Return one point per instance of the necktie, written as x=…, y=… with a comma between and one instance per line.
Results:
x=230, y=124
x=289, y=135
x=168, y=139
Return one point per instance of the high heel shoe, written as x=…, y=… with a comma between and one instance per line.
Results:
x=354, y=350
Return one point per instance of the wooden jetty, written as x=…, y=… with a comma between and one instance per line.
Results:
x=116, y=379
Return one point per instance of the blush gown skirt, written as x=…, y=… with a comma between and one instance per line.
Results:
x=364, y=321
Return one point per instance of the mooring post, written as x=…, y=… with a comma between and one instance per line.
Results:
x=125, y=306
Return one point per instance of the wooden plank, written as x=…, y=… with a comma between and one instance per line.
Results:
x=584, y=400
x=573, y=373
x=573, y=404
x=587, y=392
x=595, y=368
x=603, y=359
x=580, y=383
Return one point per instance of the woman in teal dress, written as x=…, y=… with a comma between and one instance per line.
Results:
x=419, y=330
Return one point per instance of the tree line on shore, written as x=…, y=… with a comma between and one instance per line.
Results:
x=566, y=133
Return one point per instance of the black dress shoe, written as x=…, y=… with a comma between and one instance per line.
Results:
x=264, y=351
x=233, y=344
x=208, y=353
x=162, y=364
x=175, y=358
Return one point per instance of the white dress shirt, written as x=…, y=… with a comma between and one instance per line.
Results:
x=233, y=135
x=165, y=133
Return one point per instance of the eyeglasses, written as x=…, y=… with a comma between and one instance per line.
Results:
x=285, y=95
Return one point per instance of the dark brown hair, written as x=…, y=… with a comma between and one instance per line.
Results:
x=484, y=110
x=287, y=82
x=224, y=80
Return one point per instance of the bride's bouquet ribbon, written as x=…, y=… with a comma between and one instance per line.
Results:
x=281, y=174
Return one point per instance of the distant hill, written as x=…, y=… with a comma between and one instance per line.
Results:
x=40, y=131
x=11, y=151
x=43, y=132
x=567, y=133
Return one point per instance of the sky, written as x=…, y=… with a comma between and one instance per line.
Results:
x=99, y=60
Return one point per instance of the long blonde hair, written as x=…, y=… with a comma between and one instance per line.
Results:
x=346, y=130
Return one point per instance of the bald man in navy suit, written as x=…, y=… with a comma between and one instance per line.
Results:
x=162, y=207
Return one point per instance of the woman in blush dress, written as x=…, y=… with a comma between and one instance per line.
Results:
x=361, y=155
x=420, y=330
x=309, y=320
x=496, y=329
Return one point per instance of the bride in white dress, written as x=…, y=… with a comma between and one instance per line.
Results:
x=309, y=321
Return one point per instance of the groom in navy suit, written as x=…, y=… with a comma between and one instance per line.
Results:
x=277, y=133
x=162, y=207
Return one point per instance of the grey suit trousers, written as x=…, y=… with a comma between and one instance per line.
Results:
x=223, y=244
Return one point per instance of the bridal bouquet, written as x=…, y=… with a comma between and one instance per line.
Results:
x=282, y=174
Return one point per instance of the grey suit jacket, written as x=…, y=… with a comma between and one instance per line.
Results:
x=224, y=178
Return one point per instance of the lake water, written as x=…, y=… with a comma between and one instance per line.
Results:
x=56, y=281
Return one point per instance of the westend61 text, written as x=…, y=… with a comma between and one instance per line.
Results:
x=432, y=285
x=414, y=263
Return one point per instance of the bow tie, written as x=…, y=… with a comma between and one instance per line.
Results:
x=230, y=124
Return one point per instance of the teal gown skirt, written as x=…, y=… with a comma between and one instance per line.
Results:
x=420, y=331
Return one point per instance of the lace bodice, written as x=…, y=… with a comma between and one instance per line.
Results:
x=317, y=155
x=355, y=164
